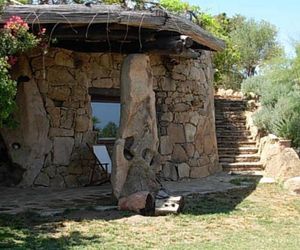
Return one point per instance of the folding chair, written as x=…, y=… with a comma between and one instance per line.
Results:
x=103, y=166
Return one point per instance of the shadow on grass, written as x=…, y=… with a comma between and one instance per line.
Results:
x=221, y=202
x=28, y=231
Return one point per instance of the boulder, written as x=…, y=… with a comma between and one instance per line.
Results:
x=28, y=144
x=280, y=162
x=137, y=144
x=293, y=185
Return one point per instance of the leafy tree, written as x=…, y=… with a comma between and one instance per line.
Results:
x=205, y=20
x=177, y=6
x=96, y=121
x=226, y=62
x=256, y=43
x=110, y=130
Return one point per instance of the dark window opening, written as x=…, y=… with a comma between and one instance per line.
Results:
x=106, y=112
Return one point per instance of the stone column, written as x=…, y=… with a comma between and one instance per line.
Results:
x=31, y=135
x=135, y=151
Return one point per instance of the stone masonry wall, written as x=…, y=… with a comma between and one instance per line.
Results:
x=63, y=78
x=58, y=93
x=185, y=107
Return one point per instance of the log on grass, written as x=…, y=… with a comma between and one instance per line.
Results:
x=140, y=202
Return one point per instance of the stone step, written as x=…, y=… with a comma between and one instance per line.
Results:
x=228, y=144
x=221, y=112
x=236, y=123
x=231, y=127
x=231, y=116
x=242, y=166
x=236, y=144
x=228, y=108
x=230, y=133
x=258, y=173
x=230, y=138
x=230, y=103
x=239, y=158
x=233, y=133
x=232, y=109
x=233, y=136
x=228, y=97
x=230, y=121
x=237, y=150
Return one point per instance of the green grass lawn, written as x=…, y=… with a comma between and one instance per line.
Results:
x=268, y=218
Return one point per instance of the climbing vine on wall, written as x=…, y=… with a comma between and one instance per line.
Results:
x=15, y=38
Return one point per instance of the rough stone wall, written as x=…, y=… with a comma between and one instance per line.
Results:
x=185, y=107
x=65, y=92
x=57, y=116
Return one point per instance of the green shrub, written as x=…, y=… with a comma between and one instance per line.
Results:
x=278, y=87
x=7, y=93
x=253, y=84
x=286, y=119
x=263, y=117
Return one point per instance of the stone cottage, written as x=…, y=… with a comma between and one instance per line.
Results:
x=156, y=64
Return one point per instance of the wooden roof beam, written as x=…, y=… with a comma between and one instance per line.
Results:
x=112, y=14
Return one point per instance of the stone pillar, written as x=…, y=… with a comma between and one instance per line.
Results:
x=28, y=144
x=136, y=147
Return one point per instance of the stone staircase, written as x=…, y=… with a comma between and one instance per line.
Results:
x=237, y=151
